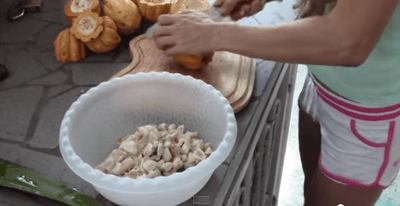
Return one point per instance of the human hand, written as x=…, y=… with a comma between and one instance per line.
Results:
x=185, y=33
x=238, y=9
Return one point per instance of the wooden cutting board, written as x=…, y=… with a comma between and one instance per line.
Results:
x=229, y=73
x=243, y=81
x=222, y=72
x=244, y=100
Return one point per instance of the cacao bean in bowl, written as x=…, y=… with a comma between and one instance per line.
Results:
x=118, y=107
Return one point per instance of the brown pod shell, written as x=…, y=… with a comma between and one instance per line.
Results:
x=124, y=13
x=87, y=26
x=108, y=40
x=151, y=10
x=70, y=15
x=67, y=48
x=188, y=5
x=189, y=61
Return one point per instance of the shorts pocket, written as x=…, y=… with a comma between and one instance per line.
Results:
x=373, y=134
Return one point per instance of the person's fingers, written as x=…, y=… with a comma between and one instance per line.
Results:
x=164, y=42
x=208, y=57
x=228, y=6
x=163, y=31
x=166, y=19
x=218, y=3
x=248, y=11
x=198, y=15
x=236, y=16
x=185, y=12
x=256, y=6
x=190, y=16
x=242, y=12
x=245, y=11
x=171, y=50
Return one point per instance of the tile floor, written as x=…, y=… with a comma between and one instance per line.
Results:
x=291, y=190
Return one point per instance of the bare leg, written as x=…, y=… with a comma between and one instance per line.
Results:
x=325, y=192
x=310, y=146
x=318, y=189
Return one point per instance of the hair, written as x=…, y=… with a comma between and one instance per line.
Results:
x=308, y=8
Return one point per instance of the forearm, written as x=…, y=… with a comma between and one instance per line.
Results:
x=313, y=40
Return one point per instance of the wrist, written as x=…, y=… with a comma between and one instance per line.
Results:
x=219, y=36
x=214, y=37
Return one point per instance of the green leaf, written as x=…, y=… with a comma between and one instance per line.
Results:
x=31, y=181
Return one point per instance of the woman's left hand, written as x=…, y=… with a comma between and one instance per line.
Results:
x=238, y=9
x=189, y=33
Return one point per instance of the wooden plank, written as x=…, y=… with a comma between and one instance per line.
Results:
x=222, y=72
x=245, y=97
x=231, y=74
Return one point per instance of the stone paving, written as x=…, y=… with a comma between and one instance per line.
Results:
x=39, y=90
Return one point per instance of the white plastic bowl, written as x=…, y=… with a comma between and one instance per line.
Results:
x=116, y=108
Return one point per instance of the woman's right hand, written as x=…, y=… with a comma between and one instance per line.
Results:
x=238, y=9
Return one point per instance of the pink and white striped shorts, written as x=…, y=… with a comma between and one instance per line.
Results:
x=360, y=145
